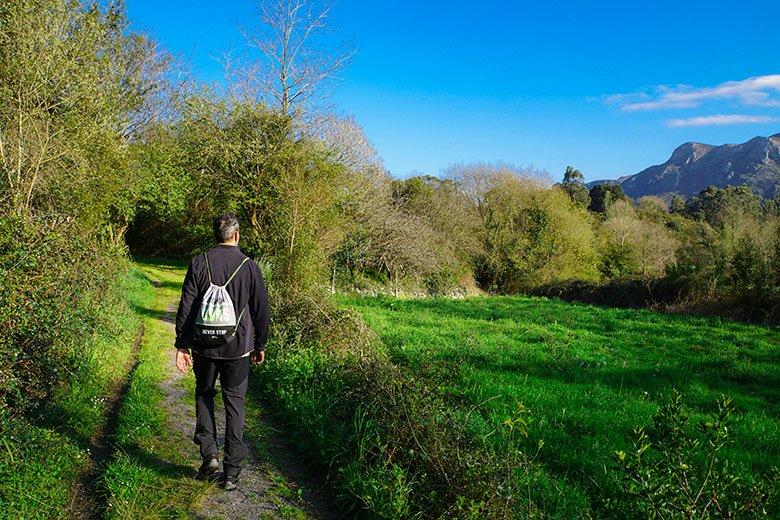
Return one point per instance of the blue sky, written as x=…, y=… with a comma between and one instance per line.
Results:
x=609, y=87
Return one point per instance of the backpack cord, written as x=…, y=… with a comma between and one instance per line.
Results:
x=238, y=321
x=208, y=269
x=235, y=272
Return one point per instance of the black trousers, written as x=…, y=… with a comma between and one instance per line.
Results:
x=233, y=378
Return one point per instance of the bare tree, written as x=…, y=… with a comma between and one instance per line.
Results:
x=654, y=243
x=295, y=62
x=477, y=179
x=348, y=141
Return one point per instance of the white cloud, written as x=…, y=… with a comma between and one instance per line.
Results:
x=756, y=91
x=721, y=119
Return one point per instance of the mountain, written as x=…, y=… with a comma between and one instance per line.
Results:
x=695, y=166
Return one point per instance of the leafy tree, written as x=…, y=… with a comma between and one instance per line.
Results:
x=677, y=204
x=650, y=206
x=603, y=195
x=534, y=235
x=572, y=176
x=475, y=180
x=574, y=185
x=414, y=191
x=578, y=193
x=451, y=216
x=771, y=207
x=240, y=156
x=75, y=87
x=716, y=205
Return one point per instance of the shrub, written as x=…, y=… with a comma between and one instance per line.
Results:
x=58, y=291
x=441, y=282
x=671, y=472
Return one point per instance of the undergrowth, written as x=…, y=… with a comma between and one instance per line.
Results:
x=392, y=445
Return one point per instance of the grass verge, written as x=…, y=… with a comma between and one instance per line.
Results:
x=42, y=457
x=151, y=475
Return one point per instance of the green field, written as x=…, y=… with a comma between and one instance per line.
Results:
x=587, y=376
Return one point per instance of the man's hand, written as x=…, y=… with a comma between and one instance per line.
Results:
x=258, y=356
x=183, y=360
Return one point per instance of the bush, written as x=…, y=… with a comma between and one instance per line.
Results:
x=671, y=472
x=732, y=272
x=441, y=282
x=58, y=292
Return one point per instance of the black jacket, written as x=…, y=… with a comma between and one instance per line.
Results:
x=247, y=289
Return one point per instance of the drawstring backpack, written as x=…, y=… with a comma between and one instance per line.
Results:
x=216, y=322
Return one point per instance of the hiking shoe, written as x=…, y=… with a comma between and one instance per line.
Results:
x=208, y=469
x=230, y=483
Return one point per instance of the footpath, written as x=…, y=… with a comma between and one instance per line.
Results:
x=150, y=474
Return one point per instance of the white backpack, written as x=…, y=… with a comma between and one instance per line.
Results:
x=216, y=322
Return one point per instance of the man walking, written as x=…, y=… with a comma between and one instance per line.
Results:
x=223, y=318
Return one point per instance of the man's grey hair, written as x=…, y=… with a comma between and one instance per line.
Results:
x=225, y=226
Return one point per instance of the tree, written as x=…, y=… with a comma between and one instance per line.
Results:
x=771, y=206
x=450, y=214
x=294, y=63
x=634, y=245
x=572, y=176
x=475, y=180
x=534, y=235
x=347, y=139
x=574, y=185
x=677, y=204
x=285, y=188
x=76, y=91
x=75, y=87
x=651, y=206
x=717, y=205
x=603, y=195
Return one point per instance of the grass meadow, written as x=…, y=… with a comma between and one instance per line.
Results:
x=585, y=377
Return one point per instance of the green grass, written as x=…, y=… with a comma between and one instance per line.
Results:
x=41, y=458
x=588, y=375
x=151, y=474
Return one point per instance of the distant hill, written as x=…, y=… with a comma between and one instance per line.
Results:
x=695, y=166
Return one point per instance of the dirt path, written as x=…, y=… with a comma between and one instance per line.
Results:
x=274, y=484
x=89, y=499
